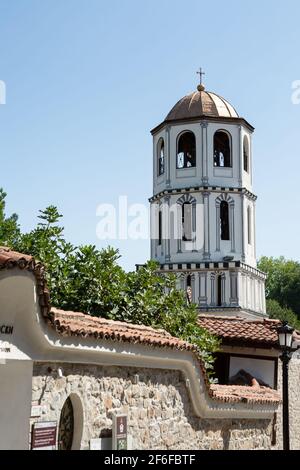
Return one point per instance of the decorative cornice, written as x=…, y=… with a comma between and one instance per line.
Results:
x=227, y=120
x=212, y=266
x=201, y=189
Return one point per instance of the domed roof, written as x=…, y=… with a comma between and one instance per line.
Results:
x=202, y=103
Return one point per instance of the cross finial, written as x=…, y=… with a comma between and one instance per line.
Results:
x=200, y=73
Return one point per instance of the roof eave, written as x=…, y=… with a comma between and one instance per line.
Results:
x=239, y=120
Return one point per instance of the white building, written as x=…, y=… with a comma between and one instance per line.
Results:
x=203, y=206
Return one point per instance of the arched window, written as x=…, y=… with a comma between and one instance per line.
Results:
x=186, y=150
x=222, y=149
x=224, y=220
x=246, y=154
x=66, y=426
x=219, y=291
x=249, y=224
x=159, y=227
x=161, y=157
x=189, y=292
x=187, y=222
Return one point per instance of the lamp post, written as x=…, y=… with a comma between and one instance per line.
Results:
x=285, y=337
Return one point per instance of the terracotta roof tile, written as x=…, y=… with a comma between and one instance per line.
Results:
x=74, y=323
x=244, y=394
x=236, y=330
x=79, y=324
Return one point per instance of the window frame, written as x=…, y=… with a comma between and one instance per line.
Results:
x=224, y=131
x=247, y=154
x=160, y=145
x=185, y=167
x=227, y=231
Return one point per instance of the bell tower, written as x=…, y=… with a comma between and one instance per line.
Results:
x=203, y=206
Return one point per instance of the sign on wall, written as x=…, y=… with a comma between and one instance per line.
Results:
x=120, y=432
x=44, y=436
x=5, y=330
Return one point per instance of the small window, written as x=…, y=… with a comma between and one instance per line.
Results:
x=161, y=157
x=187, y=222
x=246, y=154
x=219, y=290
x=222, y=149
x=186, y=151
x=159, y=227
x=249, y=223
x=224, y=220
x=189, y=292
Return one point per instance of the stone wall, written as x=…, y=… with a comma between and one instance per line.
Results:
x=158, y=407
x=294, y=402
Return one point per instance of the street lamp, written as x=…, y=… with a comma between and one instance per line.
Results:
x=285, y=337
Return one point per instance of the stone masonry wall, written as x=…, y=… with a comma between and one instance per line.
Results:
x=159, y=410
x=294, y=402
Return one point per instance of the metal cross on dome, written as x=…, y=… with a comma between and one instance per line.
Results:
x=201, y=73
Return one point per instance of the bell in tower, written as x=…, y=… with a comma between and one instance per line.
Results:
x=203, y=206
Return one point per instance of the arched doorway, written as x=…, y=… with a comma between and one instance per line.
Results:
x=66, y=426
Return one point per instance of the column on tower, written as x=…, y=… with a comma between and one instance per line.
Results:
x=232, y=226
x=213, y=289
x=202, y=288
x=166, y=227
x=204, y=126
x=168, y=155
x=218, y=238
x=243, y=213
x=234, y=288
x=206, y=252
x=241, y=156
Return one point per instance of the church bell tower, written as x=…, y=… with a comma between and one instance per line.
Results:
x=203, y=206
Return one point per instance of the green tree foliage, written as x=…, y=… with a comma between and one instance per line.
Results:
x=9, y=228
x=89, y=280
x=283, y=282
x=275, y=310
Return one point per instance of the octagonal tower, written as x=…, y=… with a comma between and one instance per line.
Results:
x=203, y=206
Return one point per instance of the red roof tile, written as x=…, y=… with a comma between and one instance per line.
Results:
x=239, y=331
x=79, y=324
x=244, y=394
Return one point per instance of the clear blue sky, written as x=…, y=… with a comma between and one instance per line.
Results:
x=87, y=80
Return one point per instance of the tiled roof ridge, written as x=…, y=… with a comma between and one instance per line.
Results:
x=56, y=318
x=238, y=319
x=244, y=394
x=105, y=321
x=245, y=332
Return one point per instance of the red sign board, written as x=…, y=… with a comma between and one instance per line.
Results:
x=44, y=435
x=120, y=432
x=121, y=422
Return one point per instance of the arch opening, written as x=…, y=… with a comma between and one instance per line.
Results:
x=219, y=291
x=222, y=149
x=187, y=226
x=186, y=150
x=224, y=220
x=161, y=157
x=246, y=154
